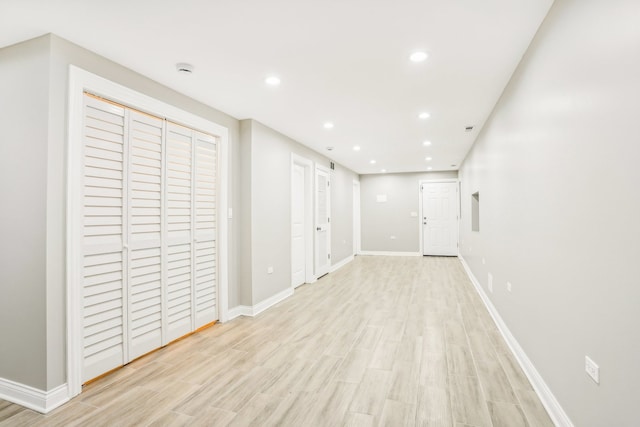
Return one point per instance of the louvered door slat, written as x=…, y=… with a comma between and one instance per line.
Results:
x=103, y=267
x=145, y=239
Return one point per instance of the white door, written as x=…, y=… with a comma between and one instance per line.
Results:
x=143, y=240
x=104, y=265
x=298, y=244
x=440, y=218
x=322, y=221
x=178, y=241
x=204, y=230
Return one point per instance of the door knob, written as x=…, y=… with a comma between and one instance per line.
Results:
x=318, y=228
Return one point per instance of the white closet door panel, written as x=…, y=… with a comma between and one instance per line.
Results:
x=103, y=225
x=178, y=232
x=204, y=221
x=145, y=233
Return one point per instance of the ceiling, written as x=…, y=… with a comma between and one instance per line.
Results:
x=340, y=61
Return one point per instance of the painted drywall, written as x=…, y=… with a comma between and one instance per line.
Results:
x=270, y=176
x=382, y=220
x=556, y=166
x=24, y=103
x=243, y=215
x=341, y=213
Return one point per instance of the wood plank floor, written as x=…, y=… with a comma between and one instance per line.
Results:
x=384, y=341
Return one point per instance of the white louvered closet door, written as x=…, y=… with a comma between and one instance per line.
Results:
x=104, y=313
x=149, y=245
x=205, y=229
x=179, y=250
x=144, y=238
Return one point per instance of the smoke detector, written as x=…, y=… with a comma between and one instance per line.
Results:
x=184, y=68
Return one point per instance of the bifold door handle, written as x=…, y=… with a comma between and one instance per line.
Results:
x=318, y=228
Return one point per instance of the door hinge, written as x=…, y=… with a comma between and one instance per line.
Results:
x=328, y=183
x=328, y=219
x=328, y=256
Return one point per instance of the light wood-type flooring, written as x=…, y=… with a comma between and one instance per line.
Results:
x=384, y=341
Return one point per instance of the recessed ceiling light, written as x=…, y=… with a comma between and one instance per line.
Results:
x=272, y=80
x=428, y=159
x=383, y=171
x=328, y=125
x=418, y=56
x=429, y=168
x=373, y=162
x=356, y=148
x=424, y=115
x=426, y=143
x=184, y=68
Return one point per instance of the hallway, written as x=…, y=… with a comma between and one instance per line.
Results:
x=395, y=341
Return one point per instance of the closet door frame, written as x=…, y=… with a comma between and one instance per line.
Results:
x=81, y=81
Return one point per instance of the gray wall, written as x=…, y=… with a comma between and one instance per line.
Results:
x=381, y=220
x=24, y=103
x=557, y=170
x=270, y=177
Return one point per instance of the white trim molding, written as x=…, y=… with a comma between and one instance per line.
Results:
x=340, y=264
x=252, y=311
x=240, y=310
x=557, y=414
x=33, y=398
x=387, y=253
x=79, y=82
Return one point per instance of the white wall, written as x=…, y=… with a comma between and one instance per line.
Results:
x=381, y=220
x=557, y=170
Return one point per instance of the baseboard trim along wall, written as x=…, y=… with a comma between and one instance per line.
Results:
x=557, y=414
x=385, y=253
x=251, y=311
x=33, y=398
x=341, y=264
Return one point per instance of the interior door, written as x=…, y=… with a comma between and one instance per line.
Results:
x=440, y=218
x=143, y=240
x=322, y=221
x=204, y=232
x=104, y=203
x=298, y=244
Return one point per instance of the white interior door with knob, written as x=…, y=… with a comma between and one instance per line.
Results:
x=440, y=218
x=322, y=221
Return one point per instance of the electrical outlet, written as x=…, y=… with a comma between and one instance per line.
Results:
x=490, y=282
x=483, y=261
x=269, y=270
x=393, y=237
x=509, y=286
x=592, y=369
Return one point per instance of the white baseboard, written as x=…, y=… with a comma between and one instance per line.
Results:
x=33, y=398
x=557, y=414
x=271, y=301
x=251, y=311
x=386, y=253
x=341, y=264
x=241, y=310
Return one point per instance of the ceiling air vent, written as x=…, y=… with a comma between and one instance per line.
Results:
x=184, y=68
x=468, y=129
